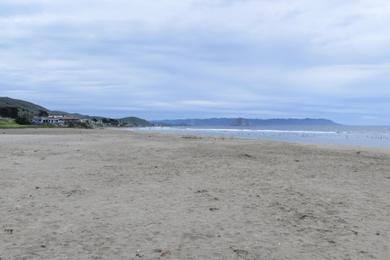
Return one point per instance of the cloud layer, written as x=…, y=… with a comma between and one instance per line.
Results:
x=200, y=58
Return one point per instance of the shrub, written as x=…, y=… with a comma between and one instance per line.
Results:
x=22, y=120
x=11, y=112
x=43, y=113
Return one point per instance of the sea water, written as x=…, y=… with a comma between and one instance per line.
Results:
x=367, y=136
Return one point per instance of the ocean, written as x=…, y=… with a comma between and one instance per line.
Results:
x=365, y=136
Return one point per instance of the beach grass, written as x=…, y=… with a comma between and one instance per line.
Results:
x=10, y=123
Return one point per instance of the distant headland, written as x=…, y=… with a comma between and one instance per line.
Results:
x=245, y=122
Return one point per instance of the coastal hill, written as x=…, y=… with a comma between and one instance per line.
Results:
x=134, y=121
x=17, y=109
x=21, y=105
x=241, y=122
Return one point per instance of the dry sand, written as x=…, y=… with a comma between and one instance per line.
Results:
x=105, y=194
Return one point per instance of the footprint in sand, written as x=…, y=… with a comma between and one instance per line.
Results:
x=8, y=230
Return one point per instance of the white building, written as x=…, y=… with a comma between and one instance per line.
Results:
x=54, y=120
x=47, y=120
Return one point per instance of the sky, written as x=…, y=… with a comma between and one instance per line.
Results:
x=165, y=59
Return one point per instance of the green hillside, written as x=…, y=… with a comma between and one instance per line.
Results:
x=9, y=123
x=133, y=121
x=23, y=106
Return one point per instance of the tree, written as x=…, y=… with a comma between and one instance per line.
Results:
x=23, y=120
x=43, y=113
x=11, y=112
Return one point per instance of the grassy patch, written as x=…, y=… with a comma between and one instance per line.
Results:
x=10, y=123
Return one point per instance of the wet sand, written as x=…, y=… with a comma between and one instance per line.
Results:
x=109, y=194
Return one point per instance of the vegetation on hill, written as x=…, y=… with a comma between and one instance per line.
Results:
x=134, y=122
x=19, y=110
x=122, y=122
x=22, y=106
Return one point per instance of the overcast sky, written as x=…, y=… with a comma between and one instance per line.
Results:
x=200, y=58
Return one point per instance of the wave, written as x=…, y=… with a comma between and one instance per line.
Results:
x=241, y=130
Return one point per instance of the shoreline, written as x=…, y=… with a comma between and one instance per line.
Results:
x=317, y=145
x=59, y=131
x=71, y=131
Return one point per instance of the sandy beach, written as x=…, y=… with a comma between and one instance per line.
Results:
x=111, y=194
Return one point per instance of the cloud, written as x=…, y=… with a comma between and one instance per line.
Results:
x=341, y=80
x=195, y=57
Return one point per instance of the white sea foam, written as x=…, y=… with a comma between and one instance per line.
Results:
x=237, y=130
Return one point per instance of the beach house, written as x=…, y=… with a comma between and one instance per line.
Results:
x=55, y=120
